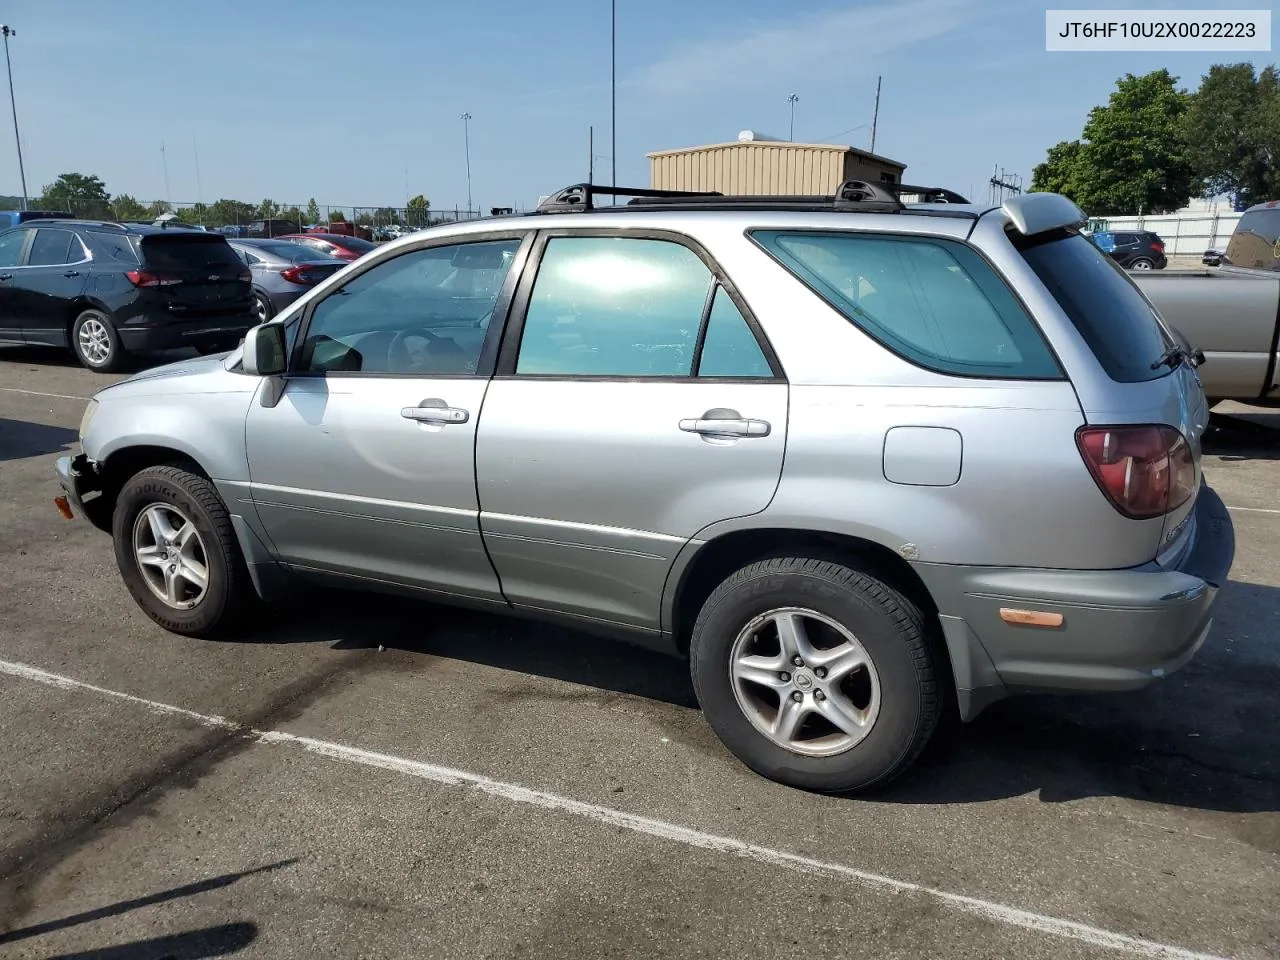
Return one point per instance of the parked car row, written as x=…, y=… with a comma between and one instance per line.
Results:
x=108, y=289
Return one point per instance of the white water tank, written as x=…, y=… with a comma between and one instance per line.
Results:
x=752, y=136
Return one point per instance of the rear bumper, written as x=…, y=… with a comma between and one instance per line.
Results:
x=1120, y=629
x=169, y=334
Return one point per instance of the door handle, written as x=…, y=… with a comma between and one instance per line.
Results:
x=72, y=273
x=725, y=423
x=5, y=276
x=435, y=410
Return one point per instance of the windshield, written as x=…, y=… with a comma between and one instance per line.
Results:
x=1111, y=314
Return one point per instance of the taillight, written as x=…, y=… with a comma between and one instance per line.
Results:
x=297, y=275
x=245, y=276
x=1145, y=471
x=1157, y=246
x=144, y=278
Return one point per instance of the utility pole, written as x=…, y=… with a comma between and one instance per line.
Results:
x=17, y=138
x=466, y=139
x=195, y=149
x=613, y=91
x=875, y=116
x=793, y=100
x=591, y=154
x=164, y=160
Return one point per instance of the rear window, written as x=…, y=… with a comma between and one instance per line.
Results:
x=1256, y=241
x=933, y=302
x=1105, y=306
x=187, y=252
x=358, y=245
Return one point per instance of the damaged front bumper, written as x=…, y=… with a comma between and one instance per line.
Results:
x=82, y=491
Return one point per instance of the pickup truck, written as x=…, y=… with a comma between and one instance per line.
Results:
x=1231, y=312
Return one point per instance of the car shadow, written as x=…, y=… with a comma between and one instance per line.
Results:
x=20, y=439
x=1235, y=436
x=216, y=941
x=1206, y=738
x=38, y=356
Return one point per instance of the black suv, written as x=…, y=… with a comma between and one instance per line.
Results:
x=1133, y=249
x=110, y=289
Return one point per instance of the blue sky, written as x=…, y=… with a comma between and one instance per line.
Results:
x=359, y=102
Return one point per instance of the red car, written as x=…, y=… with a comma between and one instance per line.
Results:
x=332, y=244
x=344, y=228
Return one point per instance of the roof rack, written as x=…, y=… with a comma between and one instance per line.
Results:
x=857, y=196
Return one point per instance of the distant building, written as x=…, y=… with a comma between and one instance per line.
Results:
x=757, y=164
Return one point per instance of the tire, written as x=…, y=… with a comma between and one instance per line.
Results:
x=899, y=690
x=1142, y=263
x=96, y=342
x=262, y=307
x=181, y=496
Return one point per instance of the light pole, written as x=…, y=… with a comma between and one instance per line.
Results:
x=793, y=100
x=613, y=91
x=8, y=32
x=466, y=140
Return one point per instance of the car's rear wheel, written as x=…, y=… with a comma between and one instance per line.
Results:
x=96, y=342
x=262, y=307
x=1142, y=263
x=816, y=674
x=178, y=554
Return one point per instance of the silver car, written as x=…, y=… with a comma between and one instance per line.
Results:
x=862, y=462
x=282, y=272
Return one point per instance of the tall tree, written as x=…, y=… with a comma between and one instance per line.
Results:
x=268, y=209
x=85, y=196
x=1226, y=133
x=291, y=213
x=226, y=212
x=1132, y=157
x=416, y=210
x=125, y=207
x=1060, y=171
x=313, y=211
x=156, y=208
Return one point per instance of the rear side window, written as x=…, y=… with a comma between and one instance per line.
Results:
x=1256, y=241
x=51, y=247
x=933, y=302
x=187, y=252
x=1103, y=303
x=113, y=246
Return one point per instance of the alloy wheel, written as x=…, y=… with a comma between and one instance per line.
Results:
x=171, y=556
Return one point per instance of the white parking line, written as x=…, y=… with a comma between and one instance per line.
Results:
x=40, y=393
x=1253, y=509
x=996, y=912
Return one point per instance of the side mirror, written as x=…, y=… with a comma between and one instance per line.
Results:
x=264, y=352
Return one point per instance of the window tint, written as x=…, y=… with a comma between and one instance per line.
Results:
x=934, y=302
x=1103, y=303
x=187, y=252
x=50, y=247
x=729, y=348
x=614, y=307
x=11, y=244
x=115, y=246
x=424, y=312
x=356, y=245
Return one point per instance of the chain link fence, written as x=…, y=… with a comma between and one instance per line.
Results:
x=233, y=217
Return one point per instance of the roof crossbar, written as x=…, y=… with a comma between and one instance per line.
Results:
x=856, y=196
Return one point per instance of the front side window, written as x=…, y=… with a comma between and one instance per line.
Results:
x=932, y=301
x=614, y=307
x=425, y=312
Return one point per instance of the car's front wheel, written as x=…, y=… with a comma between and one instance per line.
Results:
x=178, y=554
x=816, y=674
x=96, y=342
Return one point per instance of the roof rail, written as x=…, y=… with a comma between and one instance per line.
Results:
x=580, y=197
x=857, y=196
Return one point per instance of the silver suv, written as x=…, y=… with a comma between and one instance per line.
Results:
x=864, y=462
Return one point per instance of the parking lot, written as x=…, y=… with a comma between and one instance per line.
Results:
x=371, y=778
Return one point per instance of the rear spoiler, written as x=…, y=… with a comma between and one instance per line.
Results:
x=1032, y=213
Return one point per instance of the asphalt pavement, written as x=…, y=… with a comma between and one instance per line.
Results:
x=368, y=777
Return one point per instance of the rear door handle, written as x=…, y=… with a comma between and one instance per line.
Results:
x=6, y=276
x=72, y=273
x=435, y=410
x=725, y=423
